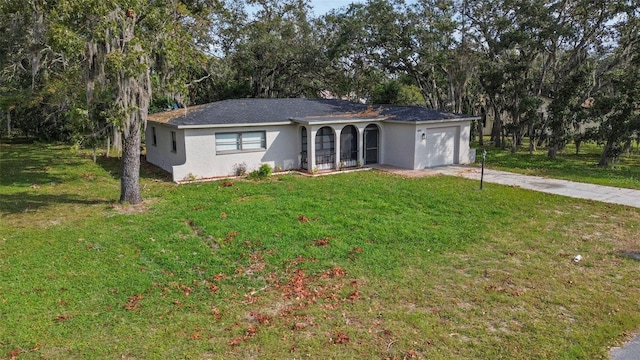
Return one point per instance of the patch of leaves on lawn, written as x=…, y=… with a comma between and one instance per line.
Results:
x=133, y=302
x=322, y=242
x=293, y=299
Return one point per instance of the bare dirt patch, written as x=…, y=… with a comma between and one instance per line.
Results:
x=128, y=209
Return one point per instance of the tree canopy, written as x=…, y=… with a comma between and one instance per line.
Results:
x=90, y=71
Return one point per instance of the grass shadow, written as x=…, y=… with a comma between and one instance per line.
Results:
x=25, y=202
x=30, y=164
x=148, y=171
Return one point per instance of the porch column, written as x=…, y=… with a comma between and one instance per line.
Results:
x=361, y=144
x=311, y=147
x=336, y=134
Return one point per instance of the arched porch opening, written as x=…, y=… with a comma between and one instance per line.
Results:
x=325, y=147
x=349, y=146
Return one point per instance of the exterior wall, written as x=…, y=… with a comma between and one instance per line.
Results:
x=161, y=153
x=464, y=151
x=401, y=140
x=461, y=142
x=196, y=156
x=400, y=144
x=203, y=161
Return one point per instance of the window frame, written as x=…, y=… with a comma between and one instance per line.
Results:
x=241, y=146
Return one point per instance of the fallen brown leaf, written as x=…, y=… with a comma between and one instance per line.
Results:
x=61, y=318
x=133, y=302
x=321, y=242
x=216, y=314
x=356, y=250
x=340, y=338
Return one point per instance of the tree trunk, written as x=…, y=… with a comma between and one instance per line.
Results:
x=117, y=141
x=496, y=131
x=532, y=139
x=108, y=144
x=481, y=123
x=9, y=123
x=134, y=96
x=605, y=158
x=129, y=182
x=628, y=147
x=552, y=151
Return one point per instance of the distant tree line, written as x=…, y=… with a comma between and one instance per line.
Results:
x=89, y=71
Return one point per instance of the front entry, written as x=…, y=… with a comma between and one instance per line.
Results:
x=371, y=144
x=349, y=146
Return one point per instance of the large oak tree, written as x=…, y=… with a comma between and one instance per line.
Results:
x=125, y=43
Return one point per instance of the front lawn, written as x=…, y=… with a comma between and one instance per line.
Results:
x=363, y=265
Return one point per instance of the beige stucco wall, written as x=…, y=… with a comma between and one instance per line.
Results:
x=465, y=137
x=202, y=161
x=161, y=154
x=400, y=145
x=400, y=149
x=406, y=148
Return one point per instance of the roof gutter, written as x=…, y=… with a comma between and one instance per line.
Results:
x=224, y=126
x=422, y=122
x=337, y=120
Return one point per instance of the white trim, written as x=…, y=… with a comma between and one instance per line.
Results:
x=213, y=126
x=346, y=121
x=427, y=122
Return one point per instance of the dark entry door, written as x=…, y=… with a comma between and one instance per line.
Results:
x=371, y=144
x=349, y=146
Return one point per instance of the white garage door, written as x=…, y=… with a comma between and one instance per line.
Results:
x=441, y=146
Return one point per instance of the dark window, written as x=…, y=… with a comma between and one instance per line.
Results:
x=174, y=146
x=154, y=140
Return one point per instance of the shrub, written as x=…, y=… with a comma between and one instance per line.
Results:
x=240, y=169
x=261, y=173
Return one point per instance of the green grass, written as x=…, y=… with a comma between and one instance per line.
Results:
x=582, y=167
x=358, y=265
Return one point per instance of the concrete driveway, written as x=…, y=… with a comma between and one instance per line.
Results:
x=601, y=193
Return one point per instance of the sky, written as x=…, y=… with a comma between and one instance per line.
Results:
x=321, y=7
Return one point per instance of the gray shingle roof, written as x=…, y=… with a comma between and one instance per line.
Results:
x=262, y=111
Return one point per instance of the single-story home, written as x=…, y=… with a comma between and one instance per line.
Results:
x=214, y=140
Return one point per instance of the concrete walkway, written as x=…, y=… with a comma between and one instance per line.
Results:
x=630, y=350
x=601, y=193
